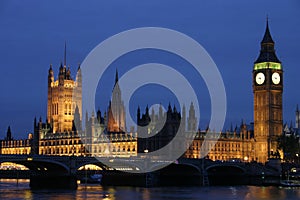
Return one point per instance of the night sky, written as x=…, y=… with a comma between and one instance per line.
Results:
x=33, y=34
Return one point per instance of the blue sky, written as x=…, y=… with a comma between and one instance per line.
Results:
x=33, y=33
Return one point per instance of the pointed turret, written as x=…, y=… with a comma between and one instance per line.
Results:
x=267, y=51
x=169, y=107
x=174, y=109
x=68, y=74
x=160, y=112
x=77, y=121
x=192, y=120
x=138, y=113
x=231, y=128
x=61, y=70
x=99, y=115
x=34, y=122
x=116, y=77
x=116, y=96
x=50, y=74
x=267, y=37
x=8, y=134
x=147, y=111
x=242, y=122
x=183, y=118
x=79, y=78
x=297, y=121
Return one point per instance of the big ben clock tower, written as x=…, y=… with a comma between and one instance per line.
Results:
x=267, y=89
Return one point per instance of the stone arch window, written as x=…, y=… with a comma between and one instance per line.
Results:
x=70, y=109
x=66, y=108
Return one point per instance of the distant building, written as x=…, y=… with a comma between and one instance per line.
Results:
x=107, y=135
x=236, y=144
x=11, y=146
x=160, y=129
x=293, y=129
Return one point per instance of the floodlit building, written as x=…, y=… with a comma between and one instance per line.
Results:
x=107, y=135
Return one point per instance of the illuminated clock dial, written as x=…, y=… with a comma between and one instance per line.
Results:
x=275, y=78
x=260, y=78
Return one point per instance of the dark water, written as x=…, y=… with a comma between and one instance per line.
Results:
x=10, y=190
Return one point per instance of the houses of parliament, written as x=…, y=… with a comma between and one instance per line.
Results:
x=105, y=134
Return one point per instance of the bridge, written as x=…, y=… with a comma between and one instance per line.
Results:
x=60, y=171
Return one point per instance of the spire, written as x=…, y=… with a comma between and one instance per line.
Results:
x=34, y=121
x=174, y=109
x=169, y=107
x=8, y=134
x=160, y=112
x=65, y=54
x=297, y=109
x=147, y=110
x=267, y=51
x=267, y=37
x=138, y=113
x=50, y=75
x=242, y=122
x=68, y=74
x=116, y=77
x=50, y=68
x=291, y=124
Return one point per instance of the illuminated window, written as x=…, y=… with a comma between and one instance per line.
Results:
x=70, y=109
x=66, y=109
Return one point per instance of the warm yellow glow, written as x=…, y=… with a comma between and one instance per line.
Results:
x=90, y=167
x=12, y=166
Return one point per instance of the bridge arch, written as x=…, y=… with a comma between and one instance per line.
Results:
x=12, y=166
x=182, y=174
x=40, y=165
x=229, y=167
x=94, y=162
x=227, y=174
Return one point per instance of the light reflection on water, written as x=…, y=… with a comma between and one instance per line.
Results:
x=9, y=189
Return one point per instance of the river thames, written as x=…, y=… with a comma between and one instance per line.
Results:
x=10, y=189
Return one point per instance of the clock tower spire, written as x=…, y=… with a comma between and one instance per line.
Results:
x=267, y=88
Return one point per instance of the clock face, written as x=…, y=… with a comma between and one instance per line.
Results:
x=260, y=78
x=275, y=78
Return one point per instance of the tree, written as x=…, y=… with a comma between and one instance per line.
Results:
x=289, y=144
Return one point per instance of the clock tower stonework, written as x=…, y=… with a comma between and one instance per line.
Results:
x=267, y=89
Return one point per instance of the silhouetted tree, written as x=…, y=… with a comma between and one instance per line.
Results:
x=290, y=147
